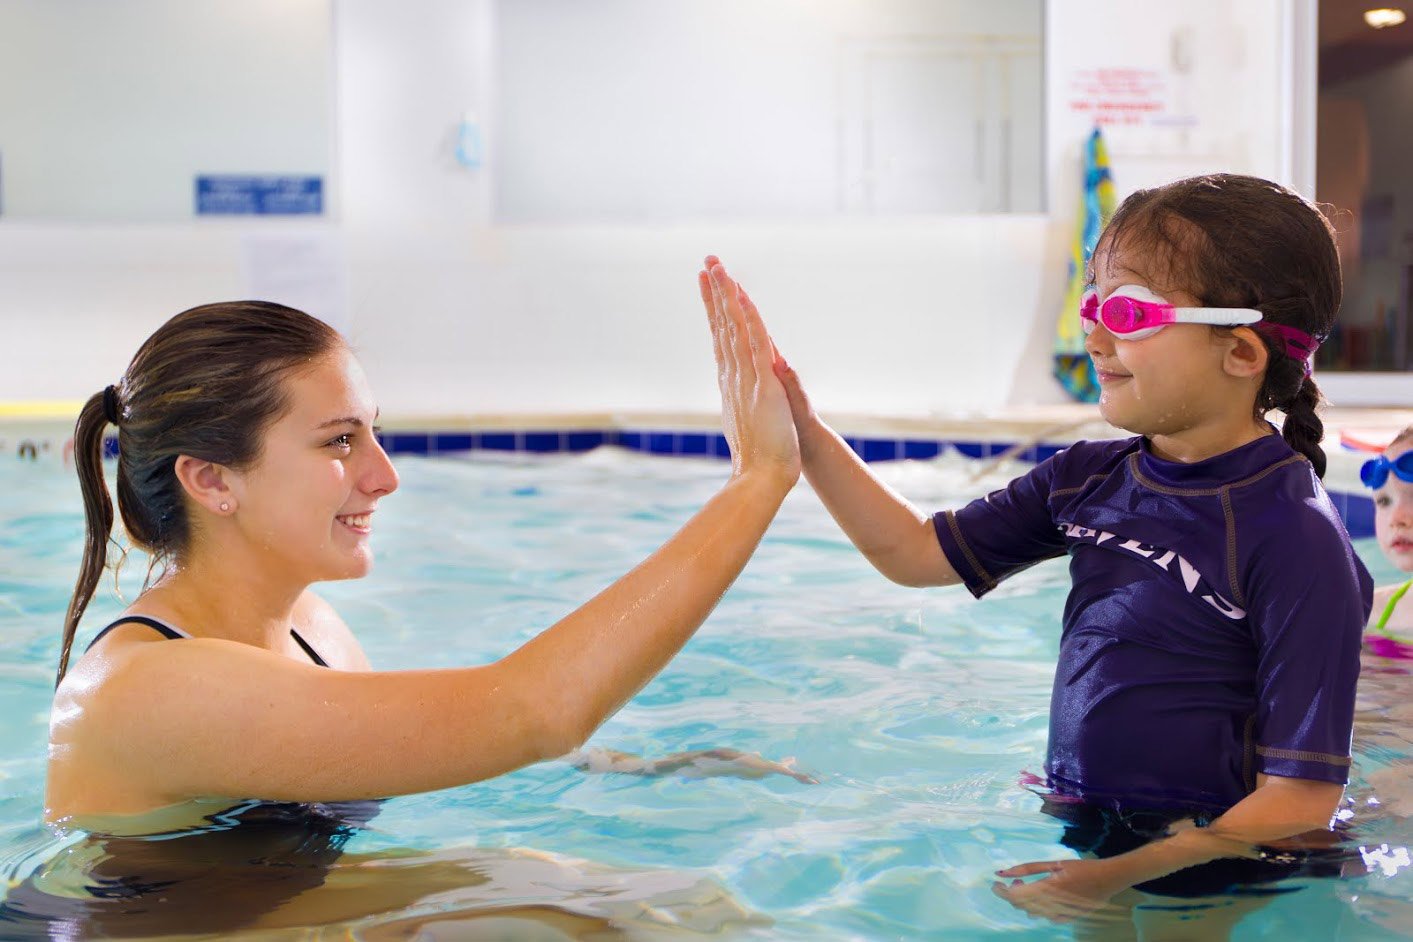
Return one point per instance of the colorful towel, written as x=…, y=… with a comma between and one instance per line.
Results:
x=1072, y=365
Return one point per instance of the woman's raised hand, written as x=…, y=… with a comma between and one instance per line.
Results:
x=755, y=412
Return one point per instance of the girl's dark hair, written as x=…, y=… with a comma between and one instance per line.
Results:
x=206, y=384
x=1238, y=241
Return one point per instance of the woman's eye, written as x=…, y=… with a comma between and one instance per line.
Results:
x=343, y=441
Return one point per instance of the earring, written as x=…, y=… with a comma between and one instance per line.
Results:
x=225, y=506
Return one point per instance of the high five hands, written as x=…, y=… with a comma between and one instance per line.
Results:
x=755, y=410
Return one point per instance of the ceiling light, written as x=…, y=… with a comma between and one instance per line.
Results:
x=1378, y=19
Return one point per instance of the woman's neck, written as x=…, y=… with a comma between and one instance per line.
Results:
x=221, y=600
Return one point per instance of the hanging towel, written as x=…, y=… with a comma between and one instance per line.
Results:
x=1072, y=365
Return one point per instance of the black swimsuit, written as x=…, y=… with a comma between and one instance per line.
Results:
x=243, y=861
x=171, y=633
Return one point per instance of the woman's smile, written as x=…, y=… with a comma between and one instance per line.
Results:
x=360, y=523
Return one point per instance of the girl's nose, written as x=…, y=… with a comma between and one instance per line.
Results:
x=1099, y=342
x=1402, y=516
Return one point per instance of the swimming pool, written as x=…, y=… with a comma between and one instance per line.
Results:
x=916, y=710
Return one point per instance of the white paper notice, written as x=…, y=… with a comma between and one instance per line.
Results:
x=305, y=270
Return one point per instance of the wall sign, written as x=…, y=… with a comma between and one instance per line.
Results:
x=238, y=195
x=1120, y=96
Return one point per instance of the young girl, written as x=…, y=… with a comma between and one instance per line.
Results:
x=1211, y=638
x=230, y=698
x=1390, y=475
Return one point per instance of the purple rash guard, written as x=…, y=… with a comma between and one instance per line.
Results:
x=1213, y=628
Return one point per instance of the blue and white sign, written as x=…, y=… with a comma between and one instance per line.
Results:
x=240, y=195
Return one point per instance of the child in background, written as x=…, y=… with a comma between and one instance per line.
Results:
x=1390, y=475
x=1211, y=639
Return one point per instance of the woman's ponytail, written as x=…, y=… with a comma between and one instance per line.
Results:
x=98, y=508
x=1302, y=429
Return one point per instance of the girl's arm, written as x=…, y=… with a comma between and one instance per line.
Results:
x=206, y=717
x=896, y=537
x=1279, y=808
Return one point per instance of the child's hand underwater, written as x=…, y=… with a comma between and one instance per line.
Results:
x=1071, y=889
x=700, y=763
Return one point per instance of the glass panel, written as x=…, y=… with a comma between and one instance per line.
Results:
x=766, y=108
x=1365, y=152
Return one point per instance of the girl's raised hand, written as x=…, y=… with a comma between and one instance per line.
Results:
x=755, y=412
x=800, y=408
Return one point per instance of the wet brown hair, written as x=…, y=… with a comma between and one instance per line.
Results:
x=207, y=384
x=1239, y=241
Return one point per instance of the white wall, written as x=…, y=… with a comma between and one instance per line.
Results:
x=455, y=314
x=137, y=97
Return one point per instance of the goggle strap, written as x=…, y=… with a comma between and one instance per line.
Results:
x=1296, y=343
x=1218, y=316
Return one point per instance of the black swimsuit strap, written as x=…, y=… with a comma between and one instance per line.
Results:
x=167, y=631
x=313, y=655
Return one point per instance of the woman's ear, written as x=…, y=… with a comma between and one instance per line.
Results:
x=1246, y=355
x=205, y=482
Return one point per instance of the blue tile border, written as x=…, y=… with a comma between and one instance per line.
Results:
x=914, y=450
x=584, y=441
x=451, y=442
x=543, y=442
x=407, y=443
x=1356, y=510
x=695, y=443
x=497, y=441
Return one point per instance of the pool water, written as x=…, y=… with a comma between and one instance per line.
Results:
x=916, y=710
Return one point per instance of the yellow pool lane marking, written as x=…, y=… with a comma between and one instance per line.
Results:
x=67, y=409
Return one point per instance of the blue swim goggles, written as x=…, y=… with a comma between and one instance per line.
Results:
x=1376, y=470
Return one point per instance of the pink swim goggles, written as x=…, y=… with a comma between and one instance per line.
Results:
x=1133, y=312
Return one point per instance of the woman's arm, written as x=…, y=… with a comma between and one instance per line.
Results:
x=206, y=717
x=1278, y=809
x=896, y=537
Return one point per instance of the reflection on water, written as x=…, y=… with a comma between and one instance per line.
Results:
x=917, y=712
x=278, y=869
x=1380, y=796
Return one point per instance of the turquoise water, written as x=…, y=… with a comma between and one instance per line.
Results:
x=915, y=710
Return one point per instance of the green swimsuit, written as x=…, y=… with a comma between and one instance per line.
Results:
x=1381, y=625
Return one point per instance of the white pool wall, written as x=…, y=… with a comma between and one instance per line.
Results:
x=454, y=313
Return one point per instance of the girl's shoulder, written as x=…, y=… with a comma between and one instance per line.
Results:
x=1085, y=458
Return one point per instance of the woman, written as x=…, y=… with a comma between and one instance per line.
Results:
x=250, y=469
